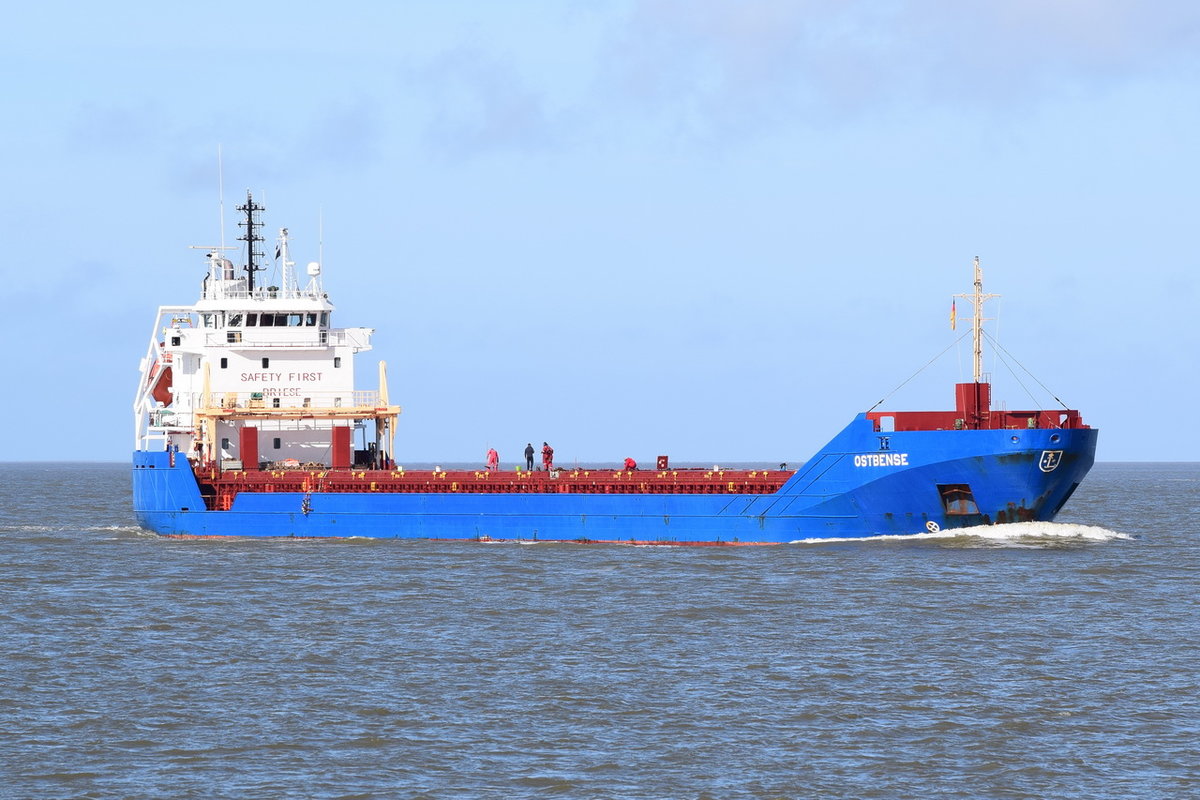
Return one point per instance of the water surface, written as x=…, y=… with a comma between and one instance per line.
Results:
x=1033, y=661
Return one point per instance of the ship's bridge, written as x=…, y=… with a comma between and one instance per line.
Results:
x=298, y=320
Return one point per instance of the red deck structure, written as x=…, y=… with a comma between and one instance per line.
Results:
x=973, y=412
x=219, y=488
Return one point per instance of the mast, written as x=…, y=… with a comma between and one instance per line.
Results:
x=250, y=237
x=977, y=299
x=287, y=267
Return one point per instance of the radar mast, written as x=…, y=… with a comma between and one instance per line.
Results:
x=251, y=237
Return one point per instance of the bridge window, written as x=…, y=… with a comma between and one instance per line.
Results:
x=310, y=320
x=280, y=320
x=235, y=320
x=251, y=320
x=957, y=499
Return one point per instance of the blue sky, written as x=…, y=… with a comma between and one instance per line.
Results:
x=715, y=230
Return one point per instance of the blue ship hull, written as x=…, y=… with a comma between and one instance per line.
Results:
x=923, y=481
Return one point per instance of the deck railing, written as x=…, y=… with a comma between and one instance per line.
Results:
x=248, y=339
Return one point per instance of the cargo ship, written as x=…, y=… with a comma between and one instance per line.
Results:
x=247, y=418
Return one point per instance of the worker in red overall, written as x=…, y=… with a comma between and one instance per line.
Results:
x=493, y=460
x=547, y=457
x=630, y=464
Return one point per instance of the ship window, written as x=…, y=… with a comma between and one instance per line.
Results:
x=337, y=361
x=324, y=319
x=887, y=424
x=175, y=341
x=225, y=443
x=295, y=320
x=275, y=402
x=308, y=402
x=310, y=320
x=277, y=442
x=266, y=362
x=209, y=322
x=337, y=402
x=251, y=320
x=235, y=320
x=233, y=337
x=267, y=320
x=224, y=363
x=957, y=499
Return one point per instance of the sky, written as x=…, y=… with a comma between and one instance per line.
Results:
x=712, y=230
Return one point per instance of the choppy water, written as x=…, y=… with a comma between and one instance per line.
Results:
x=1035, y=661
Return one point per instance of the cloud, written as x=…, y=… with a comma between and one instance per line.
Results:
x=710, y=66
x=481, y=103
x=123, y=128
x=345, y=133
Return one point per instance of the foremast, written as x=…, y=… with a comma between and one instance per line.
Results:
x=977, y=299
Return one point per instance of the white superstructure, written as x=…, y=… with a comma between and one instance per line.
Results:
x=258, y=373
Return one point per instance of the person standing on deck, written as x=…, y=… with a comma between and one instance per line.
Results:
x=547, y=457
x=529, y=457
x=493, y=459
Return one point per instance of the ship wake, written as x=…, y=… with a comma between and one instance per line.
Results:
x=1016, y=534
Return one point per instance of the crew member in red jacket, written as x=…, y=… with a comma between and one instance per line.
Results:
x=547, y=457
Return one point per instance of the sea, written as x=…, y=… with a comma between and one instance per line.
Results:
x=1038, y=660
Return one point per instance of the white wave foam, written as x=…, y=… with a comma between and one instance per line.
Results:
x=489, y=540
x=1046, y=530
x=1014, y=532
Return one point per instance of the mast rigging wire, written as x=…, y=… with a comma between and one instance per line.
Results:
x=883, y=399
x=1001, y=349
